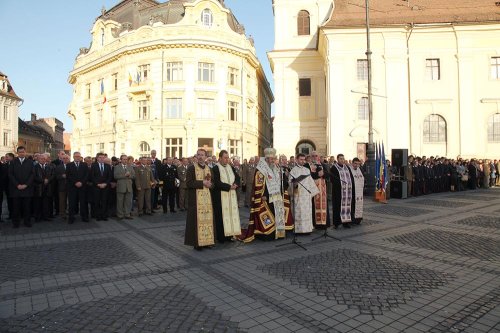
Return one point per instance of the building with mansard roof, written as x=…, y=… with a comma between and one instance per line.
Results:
x=9, y=108
x=173, y=76
x=435, y=69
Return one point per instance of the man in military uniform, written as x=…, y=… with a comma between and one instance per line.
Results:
x=143, y=181
x=169, y=175
x=182, y=172
x=248, y=176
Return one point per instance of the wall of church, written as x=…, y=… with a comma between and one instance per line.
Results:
x=433, y=94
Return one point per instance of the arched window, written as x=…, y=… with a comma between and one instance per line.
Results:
x=102, y=37
x=494, y=128
x=144, y=149
x=363, y=108
x=206, y=17
x=305, y=147
x=303, y=23
x=434, y=128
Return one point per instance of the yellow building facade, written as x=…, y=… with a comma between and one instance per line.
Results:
x=9, y=108
x=173, y=76
x=435, y=70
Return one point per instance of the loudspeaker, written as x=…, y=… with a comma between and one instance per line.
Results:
x=399, y=189
x=399, y=157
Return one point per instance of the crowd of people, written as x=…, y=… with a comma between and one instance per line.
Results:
x=283, y=194
x=439, y=174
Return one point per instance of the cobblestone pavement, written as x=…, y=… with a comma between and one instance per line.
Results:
x=426, y=264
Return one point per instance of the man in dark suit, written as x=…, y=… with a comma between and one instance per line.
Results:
x=169, y=175
x=100, y=177
x=77, y=173
x=9, y=157
x=21, y=176
x=4, y=171
x=156, y=168
x=58, y=161
x=43, y=188
x=60, y=175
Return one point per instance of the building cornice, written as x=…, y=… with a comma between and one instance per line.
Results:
x=87, y=68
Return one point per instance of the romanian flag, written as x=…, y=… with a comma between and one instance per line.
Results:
x=102, y=92
x=129, y=79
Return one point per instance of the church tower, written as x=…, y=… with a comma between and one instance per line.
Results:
x=300, y=122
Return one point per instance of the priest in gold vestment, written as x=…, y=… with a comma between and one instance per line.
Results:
x=200, y=231
x=270, y=214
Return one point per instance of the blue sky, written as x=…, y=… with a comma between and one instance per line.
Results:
x=42, y=38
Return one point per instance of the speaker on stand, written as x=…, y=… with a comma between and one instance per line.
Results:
x=398, y=186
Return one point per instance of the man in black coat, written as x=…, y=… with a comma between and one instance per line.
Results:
x=21, y=176
x=60, y=186
x=43, y=189
x=156, y=167
x=9, y=157
x=58, y=161
x=77, y=173
x=100, y=177
x=169, y=175
x=4, y=171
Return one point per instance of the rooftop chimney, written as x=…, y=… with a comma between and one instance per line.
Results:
x=33, y=117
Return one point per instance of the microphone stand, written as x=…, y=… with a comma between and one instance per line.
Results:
x=292, y=199
x=325, y=232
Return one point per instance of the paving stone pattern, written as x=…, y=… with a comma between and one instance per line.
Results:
x=481, y=221
x=397, y=210
x=463, y=319
x=368, y=283
x=451, y=242
x=55, y=225
x=409, y=267
x=40, y=260
x=169, y=309
x=441, y=203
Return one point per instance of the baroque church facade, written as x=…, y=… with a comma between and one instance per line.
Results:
x=173, y=76
x=435, y=76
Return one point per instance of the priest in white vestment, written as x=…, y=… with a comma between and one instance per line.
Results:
x=304, y=189
x=225, y=201
x=357, y=191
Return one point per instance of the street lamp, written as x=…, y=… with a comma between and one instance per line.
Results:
x=370, y=149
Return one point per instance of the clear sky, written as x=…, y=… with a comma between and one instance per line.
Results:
x=40, y=40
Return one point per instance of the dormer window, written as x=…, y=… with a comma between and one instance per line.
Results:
x=303, y=23
x=102, y=37
x=206, y=17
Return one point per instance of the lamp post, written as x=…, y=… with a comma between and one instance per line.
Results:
x=370, y=149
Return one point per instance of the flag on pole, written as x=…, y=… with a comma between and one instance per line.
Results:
x=138, y=77
x=102, y=91
x=377, y=167
x=129, y=79
x=384, y=183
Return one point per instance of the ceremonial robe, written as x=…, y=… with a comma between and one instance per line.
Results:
x=199, y=222
x=320, y=211
x=303, y=192
x=225, y=202
x=357, y=193
x=271, y=217
x=342, y=197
